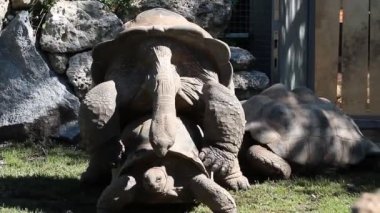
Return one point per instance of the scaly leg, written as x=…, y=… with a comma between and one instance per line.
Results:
x=117, y=195
x=99, y=126
x=223, y=127
x=266, y=162
x=212, y=195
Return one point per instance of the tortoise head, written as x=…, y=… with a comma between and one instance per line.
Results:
x=156, y=180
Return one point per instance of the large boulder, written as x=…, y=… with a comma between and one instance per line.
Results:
x=74, y=26
x=249, y=83
x=241, y=59
x=33, y=101
x=213, y=16
x=3, y=10
x=79, y=74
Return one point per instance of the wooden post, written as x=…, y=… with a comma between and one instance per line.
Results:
x=374, y=68
x=326, y=48
x=355, y=56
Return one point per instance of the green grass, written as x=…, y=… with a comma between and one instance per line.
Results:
x=36, y=179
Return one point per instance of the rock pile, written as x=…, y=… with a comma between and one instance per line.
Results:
x=247, y=81
x=39, y=70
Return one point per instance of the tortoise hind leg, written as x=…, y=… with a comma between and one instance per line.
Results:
x=212, y=195
x=117, y=195
x=268, y=163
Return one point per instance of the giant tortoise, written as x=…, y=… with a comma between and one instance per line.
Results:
x=297, y=128
x=162, y=65
x=178, y=177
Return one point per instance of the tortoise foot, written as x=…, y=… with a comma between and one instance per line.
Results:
x=117, y=195
x=217, y=160
x=238, y=183
x=234, y=179
x=212, y=195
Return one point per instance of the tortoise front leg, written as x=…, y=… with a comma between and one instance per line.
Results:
x=100, y=129
x=117, y=195
x=223, y=127
x=212, y=195
x=267, y=163
x=234, y=179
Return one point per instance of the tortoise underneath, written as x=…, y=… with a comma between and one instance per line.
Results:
x=179, y=177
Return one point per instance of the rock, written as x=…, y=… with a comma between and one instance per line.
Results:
x=10, y=17
x=250, y=80
x=21, y=4
x=213, y=16
x=74, y=26
x=367, y=203
x=33, y=101
x=59, y=62
x=3, y=10
x=79, y=74
x=68, y=133
x=241, y=59
x=249, y=83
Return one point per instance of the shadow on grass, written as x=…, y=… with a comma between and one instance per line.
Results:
x=358, y=180
x=323, y=181
x=355, y=179
x=49, y=194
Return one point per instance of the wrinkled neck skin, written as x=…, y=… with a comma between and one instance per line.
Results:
x=166, y=83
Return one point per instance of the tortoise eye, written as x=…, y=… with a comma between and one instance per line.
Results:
x=158, y=179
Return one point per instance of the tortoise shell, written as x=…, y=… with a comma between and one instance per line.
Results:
x=304, y=129
x=160, y=22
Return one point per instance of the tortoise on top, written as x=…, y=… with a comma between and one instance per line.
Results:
x=299, y=128
x=163, y=65
x=179, y=177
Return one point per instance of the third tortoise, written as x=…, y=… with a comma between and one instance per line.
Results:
x=297, y=129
